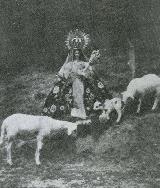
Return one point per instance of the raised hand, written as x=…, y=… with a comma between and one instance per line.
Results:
x=95, y=55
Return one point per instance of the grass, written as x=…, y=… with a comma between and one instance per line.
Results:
x=123, y=155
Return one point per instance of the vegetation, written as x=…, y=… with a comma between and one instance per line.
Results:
x=122, y=155
x=32, y=33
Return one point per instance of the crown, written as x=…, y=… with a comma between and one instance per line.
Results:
x=77, y=39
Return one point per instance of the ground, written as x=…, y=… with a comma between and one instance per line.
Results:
x=126, y=155
x=86, y=173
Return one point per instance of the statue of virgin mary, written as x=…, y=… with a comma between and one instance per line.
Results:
x=78, y=86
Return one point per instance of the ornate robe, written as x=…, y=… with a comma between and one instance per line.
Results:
x=75, y=92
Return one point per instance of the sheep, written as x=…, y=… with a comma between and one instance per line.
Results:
x=17, y=123
x=108, y=107
x=140, y=86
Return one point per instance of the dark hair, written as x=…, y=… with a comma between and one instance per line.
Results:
x=81, y=55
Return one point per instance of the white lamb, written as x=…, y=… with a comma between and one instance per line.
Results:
x=140, y=86
x=43, y=124
x=108, y=107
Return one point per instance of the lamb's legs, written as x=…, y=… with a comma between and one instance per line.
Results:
x=103, y=115
x=155, y=103
x=119, y=115
x=139, y=105
x=9, y=157
x=107, y=115
x=39, y=147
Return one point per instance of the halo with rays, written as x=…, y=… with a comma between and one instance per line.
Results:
x=77, y=39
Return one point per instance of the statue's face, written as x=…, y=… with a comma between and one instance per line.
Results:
x=76, y=54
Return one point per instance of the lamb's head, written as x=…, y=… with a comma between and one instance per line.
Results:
x=98, y=106
x=126, y=95
x=72, y=129
x=94, y=56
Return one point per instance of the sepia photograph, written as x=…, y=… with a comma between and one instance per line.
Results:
x=79, y=93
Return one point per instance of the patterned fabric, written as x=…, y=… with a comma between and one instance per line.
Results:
x=60, y=101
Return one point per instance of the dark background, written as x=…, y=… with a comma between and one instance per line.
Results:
x=32, y=32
